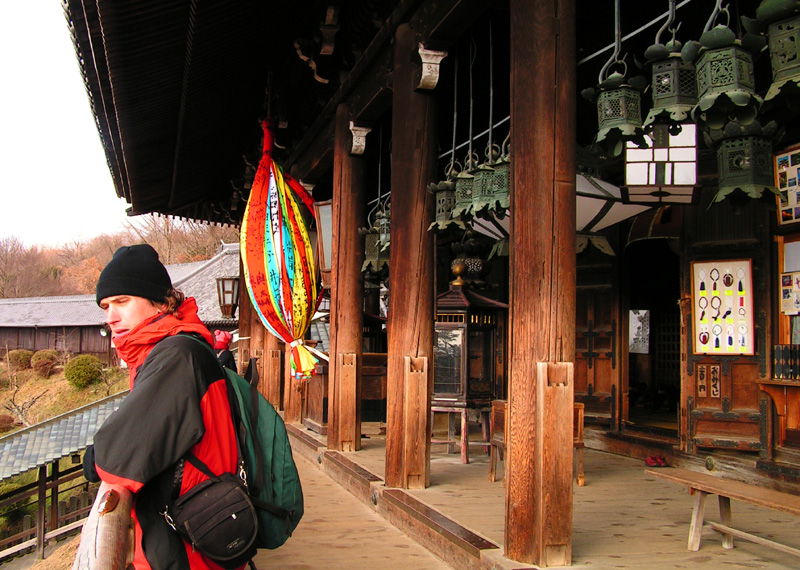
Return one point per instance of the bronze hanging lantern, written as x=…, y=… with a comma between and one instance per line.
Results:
x=618, y=99
x=445, y=193
x=744, y=161
x=724, y=74
x=482, y=188
x=665, y=169
x=673, y=84
x=674, y=89
x=501, y=182
x=464, y=185
x=783, y=33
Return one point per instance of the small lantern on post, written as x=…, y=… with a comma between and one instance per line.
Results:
x=228, y=294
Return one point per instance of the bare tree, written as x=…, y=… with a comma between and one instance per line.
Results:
x=74, y=268
x=19, y=410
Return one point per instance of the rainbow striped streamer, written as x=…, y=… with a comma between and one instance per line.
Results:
x=278, y=260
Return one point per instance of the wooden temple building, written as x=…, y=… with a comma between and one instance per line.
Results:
x=555, y=202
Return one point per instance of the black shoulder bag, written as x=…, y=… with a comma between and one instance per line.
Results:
x=216, y=517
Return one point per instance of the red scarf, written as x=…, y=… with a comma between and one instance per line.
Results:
x=134, y=347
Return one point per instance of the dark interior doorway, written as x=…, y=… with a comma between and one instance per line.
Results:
x=652, y=268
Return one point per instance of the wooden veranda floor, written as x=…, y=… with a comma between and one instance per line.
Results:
x=622, y=519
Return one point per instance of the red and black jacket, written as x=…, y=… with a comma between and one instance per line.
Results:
x=178, y=402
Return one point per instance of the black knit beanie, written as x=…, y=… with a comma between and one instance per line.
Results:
x=134, y=270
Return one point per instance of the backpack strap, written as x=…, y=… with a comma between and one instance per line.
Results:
x=251, y=375
x=199, y=465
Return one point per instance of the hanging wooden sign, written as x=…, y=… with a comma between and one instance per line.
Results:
x=722, y=307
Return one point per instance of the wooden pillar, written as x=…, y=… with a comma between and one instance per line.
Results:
x=538, y=526
x=40, y=512
x=54, y=475
x=257, y=335
x=273, y=372
x=347, y=291
x=411, y=292
x=293, y=392
x=245, y=312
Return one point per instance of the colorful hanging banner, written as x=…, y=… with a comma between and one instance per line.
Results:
x=277, y=256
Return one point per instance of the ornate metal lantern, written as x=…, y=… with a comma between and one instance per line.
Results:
x=482, y=187
x=674, y=88
x=464, y=184
x=445, y=192
x=619, y=108
x=501, y=183
x=745, y=163
x=618, y=100
x=724, y=73
x=784, y=45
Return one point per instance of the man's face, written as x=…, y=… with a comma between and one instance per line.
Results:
x=124, y=312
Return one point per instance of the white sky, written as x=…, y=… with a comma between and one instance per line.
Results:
x=55, y=186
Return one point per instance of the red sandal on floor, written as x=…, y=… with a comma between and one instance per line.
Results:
x=655, y=461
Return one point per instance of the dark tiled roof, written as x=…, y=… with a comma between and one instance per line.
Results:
x=56, y=438
x=201, y=283
x=76, y=310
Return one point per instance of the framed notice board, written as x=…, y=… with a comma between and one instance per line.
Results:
x=787, y=181
x=722, y=307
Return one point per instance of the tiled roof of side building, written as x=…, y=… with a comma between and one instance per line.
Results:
x=197, y=279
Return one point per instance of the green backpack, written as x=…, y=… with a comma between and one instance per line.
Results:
x=273, y=483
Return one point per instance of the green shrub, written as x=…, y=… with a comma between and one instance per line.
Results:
x=43, y=361
x=20, y=359
x=83, y=370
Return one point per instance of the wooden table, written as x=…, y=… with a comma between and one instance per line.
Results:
x=482, y=411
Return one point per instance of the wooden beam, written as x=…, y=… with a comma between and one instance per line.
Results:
x=347, y=291
x=245, y=311
x=294, y=391
x=366, y=87
x=275, y=371
x=542, y=283
x=411, y=302
x=257, y=337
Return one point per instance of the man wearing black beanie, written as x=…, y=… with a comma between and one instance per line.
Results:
x=177, y=404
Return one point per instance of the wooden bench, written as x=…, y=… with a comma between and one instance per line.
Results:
x=497, y=439
x=702, y=484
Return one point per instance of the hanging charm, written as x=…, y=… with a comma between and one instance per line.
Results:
x=277, y=257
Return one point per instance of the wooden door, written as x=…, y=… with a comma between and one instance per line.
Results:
x=597, y=362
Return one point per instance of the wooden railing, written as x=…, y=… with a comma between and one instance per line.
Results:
x=62, y=518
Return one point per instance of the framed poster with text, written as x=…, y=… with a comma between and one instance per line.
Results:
x=787, y=180
x=722, y=307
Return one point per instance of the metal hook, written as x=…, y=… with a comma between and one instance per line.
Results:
x=668, y=24
x=617, y=44
x=717, y=9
